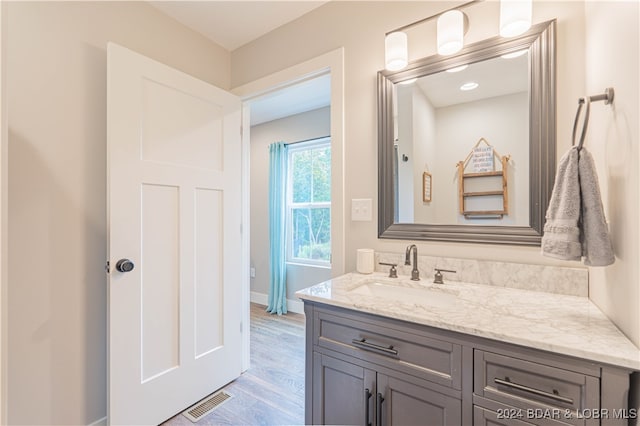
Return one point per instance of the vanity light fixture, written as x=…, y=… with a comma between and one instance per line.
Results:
x=395, y=51
x=452, y=25
x=395, y=42
x=450, y=32
x=469, y=86
x=515, y=17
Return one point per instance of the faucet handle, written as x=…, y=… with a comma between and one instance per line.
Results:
x=437, y=278
x=393, y=272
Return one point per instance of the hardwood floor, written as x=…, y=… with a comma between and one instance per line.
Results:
x=271, y=392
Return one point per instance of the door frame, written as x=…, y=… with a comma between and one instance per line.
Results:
x=332, y=63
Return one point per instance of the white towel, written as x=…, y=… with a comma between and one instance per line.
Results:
x=575, y=225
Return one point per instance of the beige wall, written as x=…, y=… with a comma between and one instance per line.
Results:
x=364, y=56
x=614, y=132
x=57, y=192
x=360, y=28
x=4, y=169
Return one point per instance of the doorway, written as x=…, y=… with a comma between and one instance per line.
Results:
x=329, y=65
x=300, y=117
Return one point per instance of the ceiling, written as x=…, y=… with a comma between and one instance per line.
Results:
x=443, y=89
x=296, y=99
x=232, y=24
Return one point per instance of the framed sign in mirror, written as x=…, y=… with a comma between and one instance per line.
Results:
x=426, y=187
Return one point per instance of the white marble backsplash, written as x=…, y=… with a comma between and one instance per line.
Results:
x=549, y=279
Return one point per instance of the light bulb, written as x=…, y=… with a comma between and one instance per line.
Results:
x=515, y=17
x=450, y=32
x=395, y=51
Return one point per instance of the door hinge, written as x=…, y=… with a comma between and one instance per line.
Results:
x=107, y=267
x=240, y=326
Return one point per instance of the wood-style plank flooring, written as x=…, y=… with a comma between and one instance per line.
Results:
x=271, y=392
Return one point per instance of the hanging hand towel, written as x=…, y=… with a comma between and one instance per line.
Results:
x=561, y=237
x=596, y=244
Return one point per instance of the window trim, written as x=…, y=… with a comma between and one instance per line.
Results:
x=323, y=142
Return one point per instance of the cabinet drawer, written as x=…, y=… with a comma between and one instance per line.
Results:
x=401, y=349
x=484, y=417
x=526, y=384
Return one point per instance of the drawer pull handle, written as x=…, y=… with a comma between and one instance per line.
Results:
x=508, y=383
x=379, y=402
x=387, y=350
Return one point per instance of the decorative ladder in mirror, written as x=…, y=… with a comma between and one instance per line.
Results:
x=483, y=167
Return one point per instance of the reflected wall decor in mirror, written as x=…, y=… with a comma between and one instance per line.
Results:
x=428, y=123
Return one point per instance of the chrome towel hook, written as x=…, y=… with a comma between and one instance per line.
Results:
x=607, y=97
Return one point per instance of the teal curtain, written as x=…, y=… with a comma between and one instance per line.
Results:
x=277, y=228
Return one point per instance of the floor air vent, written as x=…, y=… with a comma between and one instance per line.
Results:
x=207, y=405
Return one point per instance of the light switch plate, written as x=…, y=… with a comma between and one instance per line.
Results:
x=362, y=209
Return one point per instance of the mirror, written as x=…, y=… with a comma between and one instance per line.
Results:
x=427, y=125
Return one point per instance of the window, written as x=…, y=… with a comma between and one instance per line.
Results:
x=309, y=202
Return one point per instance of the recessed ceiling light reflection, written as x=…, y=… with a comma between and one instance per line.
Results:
x=469, y=86
x=407, y=82
x=514, y=54
x=458, y=69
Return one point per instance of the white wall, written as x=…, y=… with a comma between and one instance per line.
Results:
x=364, y=56
x=504, y=122
x=425, y=155
x=435, y=142
x=57, y=293
x=296, y=128
x=405, y=145
x=612, y=47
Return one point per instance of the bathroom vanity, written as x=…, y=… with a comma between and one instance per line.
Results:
x=384, y=351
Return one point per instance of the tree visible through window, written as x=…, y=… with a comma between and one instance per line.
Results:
x=309, y=205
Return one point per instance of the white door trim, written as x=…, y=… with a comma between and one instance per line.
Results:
x=333, y=63
x=246, y=235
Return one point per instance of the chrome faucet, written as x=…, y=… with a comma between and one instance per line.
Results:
x=415, y=274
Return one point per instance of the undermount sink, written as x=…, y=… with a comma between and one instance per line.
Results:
x=390, y=292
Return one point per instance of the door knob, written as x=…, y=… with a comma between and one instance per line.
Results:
x=125, y=265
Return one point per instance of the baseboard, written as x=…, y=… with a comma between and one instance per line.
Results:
x=99, y=422
x=295, y=306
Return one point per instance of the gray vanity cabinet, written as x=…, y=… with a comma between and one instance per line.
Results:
x=406, y=403
x=346, y=393
x=362, y=372
x=343, y=392
x=377, y=371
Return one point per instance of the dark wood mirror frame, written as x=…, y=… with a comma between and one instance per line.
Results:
x=540, y=40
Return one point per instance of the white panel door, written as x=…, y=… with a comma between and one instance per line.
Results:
x=174, y=193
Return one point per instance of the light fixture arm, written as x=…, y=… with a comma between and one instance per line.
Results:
x=432, y=17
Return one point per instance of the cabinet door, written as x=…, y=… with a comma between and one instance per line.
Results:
x=342, y=392
x=409, y=404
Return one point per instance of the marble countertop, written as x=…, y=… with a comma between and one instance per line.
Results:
x=568, y=325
